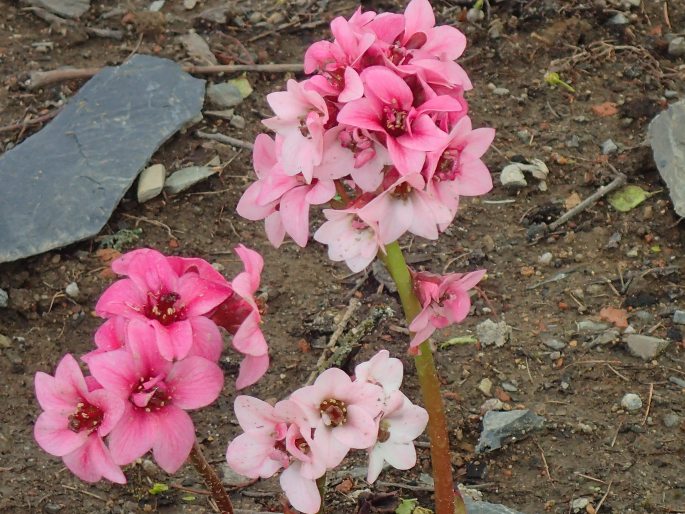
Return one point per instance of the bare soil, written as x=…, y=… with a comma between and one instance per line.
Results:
x=589, y=447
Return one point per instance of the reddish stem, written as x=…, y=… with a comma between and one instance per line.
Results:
x=211, y=479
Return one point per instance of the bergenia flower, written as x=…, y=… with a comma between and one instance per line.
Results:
x=156, y=394
x=175, y=305
x=241, y=316
x=74, y=421
x=383, y=370
x=445, y=300
x=400, y=424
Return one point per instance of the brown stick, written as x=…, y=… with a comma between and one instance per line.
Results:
x=31, y=121
x=225, y=139
x=211, y=479
x=40, y=79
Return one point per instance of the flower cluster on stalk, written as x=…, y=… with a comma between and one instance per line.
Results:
x=379, y=132
x=314, y=429
x=156, y=357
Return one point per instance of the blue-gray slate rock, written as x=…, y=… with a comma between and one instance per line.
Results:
x=481, y=507
x=501, y=427
x=61, y=185
x=667, y=138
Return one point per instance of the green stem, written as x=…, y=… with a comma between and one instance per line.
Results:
x=447, y=500
x=321, y=485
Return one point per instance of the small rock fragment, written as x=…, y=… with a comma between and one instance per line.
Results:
x=4, y=299
x=645, y=347
x=5, y=342
x=482, y=507
x=512, y=177
x=197, y=48
x=590, y=326
x=189, y=4
x=485, y=387
x=502, y=427
x=72, y=290
x=579, y=504
x=238, y=122
x=676, y=48
x=554, y=344
x=228, y=94
x=151, y=182
x=500, y=91
x=187, y=177
x=618, y=19
x=678, y=316
x=631, y=402
x=491, y=404
x=52, y=508
x=489, y=332
x=677, y=381
x=671, y=419
x=545, y=258
x=609, y=147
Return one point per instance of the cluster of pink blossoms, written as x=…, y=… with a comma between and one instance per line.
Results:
x=380, y=132
x=314, y=429
x=156, y=357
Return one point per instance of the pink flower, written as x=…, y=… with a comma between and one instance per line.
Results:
x=301, y=116
x=400, y=424
x=157, y=393
x=340, y=411
x=459, y=160
x=74, y=421
x=406, y=206
x=241, y=316
x=383, y=370
x=387, y=108
x=445, y=300
x=260, y=451
x=175, y=304
x=349, y=238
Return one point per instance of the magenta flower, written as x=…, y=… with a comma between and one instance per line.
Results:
x=400, y=424
x=387, y=108
x=74, y=421
x=175, y=304
x=157, y=393
x=445, y=300
x=340, y=411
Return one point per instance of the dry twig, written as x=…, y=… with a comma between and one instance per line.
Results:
x=649, y=403
x=225, y=139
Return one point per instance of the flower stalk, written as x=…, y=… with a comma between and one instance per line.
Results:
x=321, y=486
x=447, y=500
x=211, y=479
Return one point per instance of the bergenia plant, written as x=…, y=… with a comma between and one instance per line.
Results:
x=379, y=135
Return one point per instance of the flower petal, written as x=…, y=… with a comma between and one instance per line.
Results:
x=52, y=433
x=194, y=382
x=134, y=435
x=92, y=461
x=175, y=438
x=302, y=493
x=252, y=368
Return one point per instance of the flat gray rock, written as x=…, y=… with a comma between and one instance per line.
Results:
x=645, y=347
x=481, y=507
x=501, y=427
x=61, y=185
x=667, y=137
x=65, y=8
x=187, y=177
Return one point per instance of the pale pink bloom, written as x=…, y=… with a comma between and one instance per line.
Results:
x=459, y=160
x=445, y=300
x=383, y=370
x=261, y=450
x=400, y=424
x=349, y=238
x=301, y=117
x=157, y=393
x=74, y=421
x=340, y=411
x=387, y=108
x=406, y=206
x=175, y=305
x=241, y=316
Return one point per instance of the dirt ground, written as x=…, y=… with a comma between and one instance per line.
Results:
x=589, y=448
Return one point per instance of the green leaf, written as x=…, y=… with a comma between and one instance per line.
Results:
x=158, y=488
x=422, y=510
x=628, y=198
x=188, y=498
x=406, y=506
x=243, y=85
x=458, y=340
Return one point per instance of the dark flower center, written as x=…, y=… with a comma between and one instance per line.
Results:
x=402, y=191
x=333, y=412
x=165, y=308
x=395, y=120
x=448, y=166
x=383, y=431
x=86, y=417
x=152, y=398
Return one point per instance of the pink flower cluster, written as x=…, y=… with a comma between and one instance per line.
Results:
x=313, y=430
x=380, y=132
x=156, y=357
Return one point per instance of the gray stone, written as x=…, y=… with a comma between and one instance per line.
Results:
x=671, y=94
x=677, y=381
x=64, y=8
x=4, y=299
x=224, y=95
x=500, y=91
x=512, y=176
x=609, y=147
x=667, y=138
x=676, y=47
x=481, y=507
x=618, y=19
x=499, y=428
x=573, y=142
x=151, y=182
x=184, y=178
x=671, y=419
x=5, y=342
x=645, y=347
x=554, y=344
x=60, y=185
x=678, y=316
x=546, y=258
x=489, y=332
x=197, y=48
x=590, y=326
x=579, y=504
x=72, y=290
x=511, y=388
x=233, y=479
x=631, y=402
x=238, y=122
x=485, y=387
x=491, y=404
x=52, y=508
